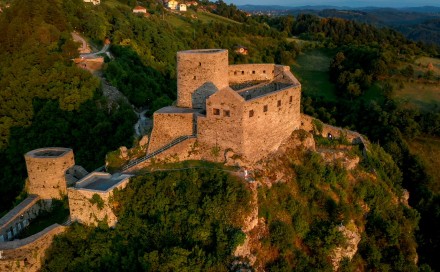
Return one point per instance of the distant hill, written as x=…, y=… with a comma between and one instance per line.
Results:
x=417, y=23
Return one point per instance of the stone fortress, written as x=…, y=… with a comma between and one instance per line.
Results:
x=245, y=110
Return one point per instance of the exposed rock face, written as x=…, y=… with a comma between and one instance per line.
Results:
x=144, y=141
x=405, y=198
x=124, y=152
x=350, y=248
x=250, y=223
x=332, y=155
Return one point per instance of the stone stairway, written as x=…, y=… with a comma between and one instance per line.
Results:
x=157, y=152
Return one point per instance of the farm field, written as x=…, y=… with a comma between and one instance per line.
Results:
x=419, y=91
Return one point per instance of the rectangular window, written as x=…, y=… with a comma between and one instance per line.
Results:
x=216, y=111
x=251, y=113
x=242, y=72
x=265, y=108
x=253, y=72
x=291, y=99
x=227, y=113
x=279, y=103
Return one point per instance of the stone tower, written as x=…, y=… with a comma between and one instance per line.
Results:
x=46, y=169
x=200, y=73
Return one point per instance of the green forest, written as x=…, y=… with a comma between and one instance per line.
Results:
x=191, y=220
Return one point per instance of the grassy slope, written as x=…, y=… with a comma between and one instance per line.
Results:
x=311, y=69
x=428, y=149
x=421, y=93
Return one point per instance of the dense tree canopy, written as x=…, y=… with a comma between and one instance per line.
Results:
x=185, y=220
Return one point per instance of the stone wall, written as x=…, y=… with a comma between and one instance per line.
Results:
x=27, y=254
x=269, y=120
x=46, y=168
x=352, y=136
x=169, y=126
x=86, y=212
x=19, y=217
x=222, y=127
x=251, y=72
x=200, y=73
x=186, y=150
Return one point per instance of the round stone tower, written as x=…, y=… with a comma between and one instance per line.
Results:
x=200, y=73
x=46, y=169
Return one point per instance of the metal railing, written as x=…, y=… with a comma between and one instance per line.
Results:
x=160, y=150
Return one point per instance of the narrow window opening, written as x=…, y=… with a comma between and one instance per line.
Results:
x=242, y=72
x=200, y=64
x=279, y=103
x=216, y=111
x=227, y=113
x=251, y=113
x=291, y=99
x=195, y=77
x=235, y=72
x=253, y=72
x=265, y=108
x=264, y=71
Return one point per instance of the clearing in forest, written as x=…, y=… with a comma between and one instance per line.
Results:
x=311, y=69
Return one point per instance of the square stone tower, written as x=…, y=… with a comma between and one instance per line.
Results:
x=200, y=73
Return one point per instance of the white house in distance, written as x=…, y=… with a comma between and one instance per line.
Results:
x=182, y=7
x=139, y=9
x=172, y=4
x=94, y=2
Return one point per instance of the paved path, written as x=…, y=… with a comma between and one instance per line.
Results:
x=95, y=54
x=78, y=38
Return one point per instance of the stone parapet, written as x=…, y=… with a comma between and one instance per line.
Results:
x=27, y=254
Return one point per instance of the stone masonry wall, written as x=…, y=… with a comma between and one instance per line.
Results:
x=260, y=72
x=352, y=136
x=169, y=126
x=200, y=73
x=223, y=124
x=251, y=72
x=88, y=213
x=27, y=254
x=269, y=120
x=18, y=218
x=46, y=174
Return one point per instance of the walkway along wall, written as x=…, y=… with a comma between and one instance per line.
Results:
x=19, y=217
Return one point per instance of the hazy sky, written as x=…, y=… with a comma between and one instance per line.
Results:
x=350, y=3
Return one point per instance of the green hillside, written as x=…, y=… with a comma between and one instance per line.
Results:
x=371, y=80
